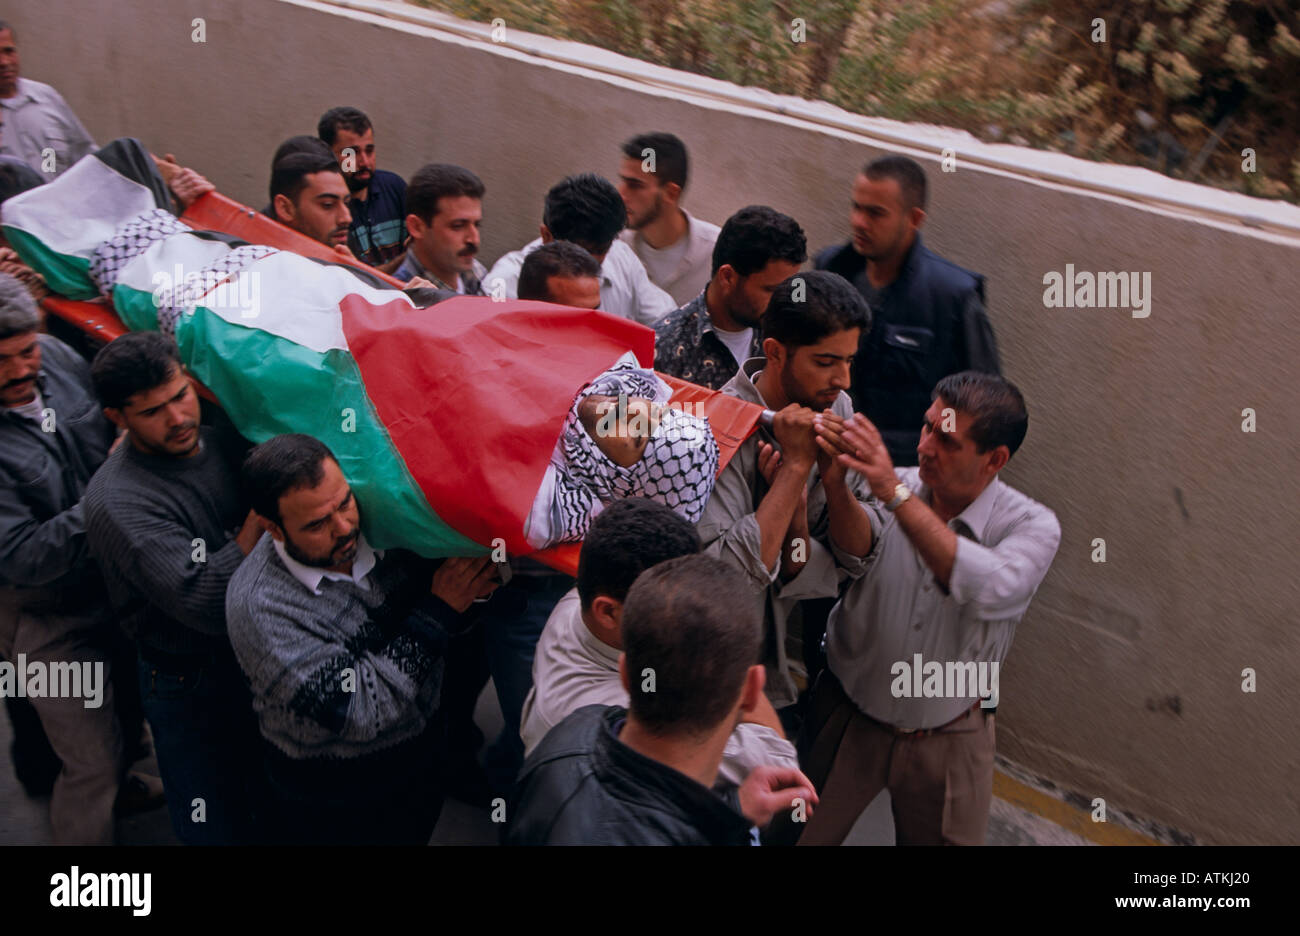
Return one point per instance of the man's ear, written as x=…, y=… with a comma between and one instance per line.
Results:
x=622, y=674
x=270, y=526
x=998, y=460
x=727, y=278
x=774, y=351
x=917, y=217
x=607, y=613
x=283, y=207
x=414, y=226
x=672, y=193
x=752, y=691
x=115, y=417
x=547, y=236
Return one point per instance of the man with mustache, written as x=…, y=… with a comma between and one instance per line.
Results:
x=52, y=603
x=166, y=521
x=444, y=213
x=39, y=127
x=378, y=231
x=344, y=648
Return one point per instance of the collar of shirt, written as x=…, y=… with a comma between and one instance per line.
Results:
x=595, y=649
x=311, y=577
x=743, y=382
x=466, y=284
x=30, y=410
x=978, y=512
x=26, y=93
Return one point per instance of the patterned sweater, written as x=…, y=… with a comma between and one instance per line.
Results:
x=345, y=673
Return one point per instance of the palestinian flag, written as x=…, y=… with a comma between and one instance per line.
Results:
x=443, y=419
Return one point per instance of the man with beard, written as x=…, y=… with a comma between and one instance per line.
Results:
x=343, y=646
x=784, y=511
x=930, y=318
x=444, y=212
x=308, y=195
x=706, y=340
x=166, y=523
x=675, y=247
x=378, y=229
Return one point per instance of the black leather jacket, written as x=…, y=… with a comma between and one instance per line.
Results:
x=582, y=786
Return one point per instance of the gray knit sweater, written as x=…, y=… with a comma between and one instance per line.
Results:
x=345, y=673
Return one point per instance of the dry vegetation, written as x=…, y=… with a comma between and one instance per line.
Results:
x=1180, y=86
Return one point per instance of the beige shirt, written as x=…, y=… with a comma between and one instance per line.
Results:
x=573, y=668
x=729, y=531
x=1005, y=544
x=690, y=272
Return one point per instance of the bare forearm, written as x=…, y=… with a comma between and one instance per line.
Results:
x=778, y=507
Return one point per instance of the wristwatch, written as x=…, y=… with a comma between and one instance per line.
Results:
x=901, y=494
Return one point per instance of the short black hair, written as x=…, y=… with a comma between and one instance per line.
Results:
x=18, y=312
x=302, y=143
x=131, y=364
x=280, y=465
x=4, y=25
x=755, y=236
x=906, y=172
x=439, y=180
x=686, y=622
x=585, y=209
x=289, y=175
x=16, y=177
x=995, y=405
x=670, y=160
x=558, y=258
x=626, y=538
x=809, y=307
x=347, y=118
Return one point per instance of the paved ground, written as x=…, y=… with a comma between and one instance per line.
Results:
x=1026, y=811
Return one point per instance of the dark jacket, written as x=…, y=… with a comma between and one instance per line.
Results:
x=43, y=475
x=582, y=786
x=929, y=323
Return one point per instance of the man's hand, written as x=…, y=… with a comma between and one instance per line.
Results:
x=345, y=250
x=459, y=580
x=769, y=460
x=249, y=533
x=868, y=456
x=186, y=184
x=117, y=443
x=793, y=428
x=830, y=428
x=416, y=282
x=769, y=790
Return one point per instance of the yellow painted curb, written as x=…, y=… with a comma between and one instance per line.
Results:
x=1063, y=814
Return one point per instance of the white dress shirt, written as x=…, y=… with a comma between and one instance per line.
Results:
x=312, y=576
x=625, y=289
x=895, y=610
x=691, y=264
x=37, y=118
x=573, y=668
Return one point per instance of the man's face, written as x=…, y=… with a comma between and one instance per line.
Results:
x=746, y=297
x=582, y=292
x=20, y=360
x=949, y=463
x=8, y=63
x=356, y=154
x=641, y=192
x=814, y=375
x=163, y=420
x=882, y=228
x=450, y=241
x=321, y=211
x=321, y=526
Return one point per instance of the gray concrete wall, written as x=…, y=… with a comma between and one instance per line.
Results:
x=1125, y=679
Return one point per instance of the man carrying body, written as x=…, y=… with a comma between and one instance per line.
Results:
x=707, y=339
x=53, y=609
x=784, y=512
x=930, y=318
x=588, y=210
x=644, y=775
x=39, y=127
x=675, y=247
x=961, y=554
x=308, y=194
x=165, y=520
x=343, y=647
x=563, y=273
x=444, y=213
x=378, y=230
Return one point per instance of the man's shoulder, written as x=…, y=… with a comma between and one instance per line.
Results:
x=261, y=581
x=683, y=319
x=838, y=258
x=702, y=230
x=952, y=276
x=1017, y=510
x=38, y=91
x=63, y=357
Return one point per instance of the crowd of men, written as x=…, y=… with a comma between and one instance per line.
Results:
x=732, y=681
